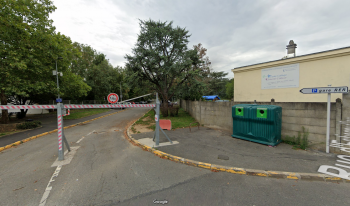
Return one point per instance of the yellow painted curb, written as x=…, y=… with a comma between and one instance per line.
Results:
x=50, y=132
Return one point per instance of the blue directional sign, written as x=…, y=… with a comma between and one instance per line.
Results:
x=59, y=100
x=324, y=90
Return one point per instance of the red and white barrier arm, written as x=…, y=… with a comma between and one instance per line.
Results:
x=28, y=106
x=80, y=106
x=77, y=106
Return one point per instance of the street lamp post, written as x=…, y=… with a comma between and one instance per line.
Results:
x=58, y=86
x=60, y=126
x=121, y=95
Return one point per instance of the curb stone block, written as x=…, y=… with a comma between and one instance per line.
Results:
x=191, y=162
x=236, y=170
x=17, y=143
x=204, y=165
x=293, y=176
x=2, y=148
x=253, y=172
x=8, y=146
x=275, y=174
x=333, y=179
x=175, y=158
x=311, y=177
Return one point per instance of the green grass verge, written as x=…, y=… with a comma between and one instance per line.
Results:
x=183, y=119
x=6, y=133
x=80, y=113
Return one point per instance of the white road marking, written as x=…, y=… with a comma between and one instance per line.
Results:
x=68, y=156
x=48, y=187
x=84, y=137
x=90, y=133
x=80, y=139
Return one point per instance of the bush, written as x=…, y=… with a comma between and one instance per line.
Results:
x=29, y=125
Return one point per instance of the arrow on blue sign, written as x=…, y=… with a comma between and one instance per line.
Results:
x=314, y=90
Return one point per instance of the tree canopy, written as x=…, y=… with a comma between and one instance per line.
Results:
x=161, y=57
x=29, y=48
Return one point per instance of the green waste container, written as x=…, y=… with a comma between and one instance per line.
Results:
x=259, y=123
x=241, y=122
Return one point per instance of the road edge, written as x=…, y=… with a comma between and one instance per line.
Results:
x=50, y=132
x=233, y=170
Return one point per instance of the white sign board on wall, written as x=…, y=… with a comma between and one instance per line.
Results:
x=280, y=77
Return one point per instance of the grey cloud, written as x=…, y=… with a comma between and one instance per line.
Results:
x=239, y=33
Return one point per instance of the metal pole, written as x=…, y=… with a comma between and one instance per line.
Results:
x=59, y=132
x=328, y=119
x=58, y=86
x=121, y=95
x=64, y=136
x=157, y=118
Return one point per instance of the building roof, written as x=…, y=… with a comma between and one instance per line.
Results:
x=292, y=59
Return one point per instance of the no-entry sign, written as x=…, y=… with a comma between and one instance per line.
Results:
x=113, y=98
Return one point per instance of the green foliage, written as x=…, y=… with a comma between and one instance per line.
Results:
x=98, y=73
x=29, y=125
x=29, y=48
x=230, y=89
x=161, y=59
x=217, y=84
x=299, y=142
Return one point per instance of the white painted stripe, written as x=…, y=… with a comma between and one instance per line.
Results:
x=48, y=187
x=90, y=133
x=80, y=139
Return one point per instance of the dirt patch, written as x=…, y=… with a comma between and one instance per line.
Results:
x=8, y=127
x=140, y=129
x=146, y=119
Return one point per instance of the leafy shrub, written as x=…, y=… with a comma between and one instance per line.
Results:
x=29, y=125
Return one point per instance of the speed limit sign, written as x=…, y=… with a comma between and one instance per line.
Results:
x=113, y=98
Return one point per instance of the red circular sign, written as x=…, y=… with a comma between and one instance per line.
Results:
x=113, y=98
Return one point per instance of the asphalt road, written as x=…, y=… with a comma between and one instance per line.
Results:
x=107, y=170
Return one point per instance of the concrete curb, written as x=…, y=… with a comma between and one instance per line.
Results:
x=234, y=170
x=50, y=132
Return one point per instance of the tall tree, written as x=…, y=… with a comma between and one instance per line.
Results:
x=230, y=89
x=20, y=23
x=162, y=58
x=29, y=48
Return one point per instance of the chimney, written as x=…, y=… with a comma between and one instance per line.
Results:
x=291, y=49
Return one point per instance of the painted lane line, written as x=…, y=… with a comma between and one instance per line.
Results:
x=84, y=137
x=80, y=139
x=90, y=133
x=49, y=187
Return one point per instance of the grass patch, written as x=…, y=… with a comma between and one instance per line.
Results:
x=80, y=113
x=299, y=142
x=183, y=119
x=6, y=133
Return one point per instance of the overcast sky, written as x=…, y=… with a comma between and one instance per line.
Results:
x=235, y=32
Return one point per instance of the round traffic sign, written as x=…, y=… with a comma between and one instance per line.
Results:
x=113, y=98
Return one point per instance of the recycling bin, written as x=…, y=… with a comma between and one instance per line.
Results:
x=261, y=124
x=241, y=121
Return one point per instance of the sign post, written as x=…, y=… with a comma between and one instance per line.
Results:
x=326, y=90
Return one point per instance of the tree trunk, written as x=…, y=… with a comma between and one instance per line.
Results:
x=4, y=117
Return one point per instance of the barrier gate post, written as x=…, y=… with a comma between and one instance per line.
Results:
x=59, y=132
x=157, y=120
x=64, y=136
